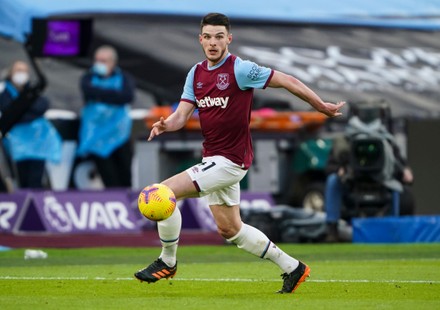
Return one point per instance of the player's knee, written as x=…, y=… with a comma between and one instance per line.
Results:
x=227, y=231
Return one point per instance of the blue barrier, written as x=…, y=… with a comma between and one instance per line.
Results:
x=405, y=229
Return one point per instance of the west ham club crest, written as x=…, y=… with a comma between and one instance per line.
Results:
x=222, y=81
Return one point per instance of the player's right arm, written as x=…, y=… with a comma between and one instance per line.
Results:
x=173, y=122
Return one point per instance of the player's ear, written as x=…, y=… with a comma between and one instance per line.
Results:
x=200, y=38
x=229, y=38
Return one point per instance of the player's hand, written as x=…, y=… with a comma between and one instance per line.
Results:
x=158, y=128
x=332, y=109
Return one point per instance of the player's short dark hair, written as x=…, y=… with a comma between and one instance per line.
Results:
x=215, y=19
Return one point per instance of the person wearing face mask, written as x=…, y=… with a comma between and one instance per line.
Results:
x=33, y=139
x=105, y=127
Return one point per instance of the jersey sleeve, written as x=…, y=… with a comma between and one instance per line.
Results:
x=250, y=75
x=188, y=88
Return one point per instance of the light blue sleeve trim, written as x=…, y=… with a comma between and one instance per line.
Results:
x=188, y=88
x=250, y=75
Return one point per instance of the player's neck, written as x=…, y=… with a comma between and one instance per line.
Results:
x=218, y=63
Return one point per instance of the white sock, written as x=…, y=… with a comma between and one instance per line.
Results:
x=256, y=242
x=169, y=232
x=286, y=262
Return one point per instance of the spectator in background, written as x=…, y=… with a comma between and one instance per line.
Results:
x=105, y=127
x=33, y=139
x=339, y=174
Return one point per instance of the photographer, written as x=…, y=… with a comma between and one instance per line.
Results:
x=394, y=174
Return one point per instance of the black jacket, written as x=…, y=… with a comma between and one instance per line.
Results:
x=37, y=109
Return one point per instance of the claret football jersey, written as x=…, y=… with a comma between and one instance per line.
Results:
x=223, y=95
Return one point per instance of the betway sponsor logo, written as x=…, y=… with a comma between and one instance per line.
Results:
x=207, y=102
x=66, y=217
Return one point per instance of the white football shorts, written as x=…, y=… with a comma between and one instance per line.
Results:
x=218, y=178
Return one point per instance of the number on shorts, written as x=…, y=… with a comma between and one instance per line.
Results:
x=212, y=164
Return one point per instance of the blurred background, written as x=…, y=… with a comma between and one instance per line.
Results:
x=384, y=54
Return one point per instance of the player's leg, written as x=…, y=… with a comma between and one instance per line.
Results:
x=169, y=229
x=195, y=181
x=219, y=178
x=251, y=239
x=169, y=232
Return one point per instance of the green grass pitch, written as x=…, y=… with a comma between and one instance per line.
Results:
x=344, y=276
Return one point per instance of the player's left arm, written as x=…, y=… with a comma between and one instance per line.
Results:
x=299, y=89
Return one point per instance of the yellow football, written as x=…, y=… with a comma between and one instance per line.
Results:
x=157, y=202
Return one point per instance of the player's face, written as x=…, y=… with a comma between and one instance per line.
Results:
x=215, y=41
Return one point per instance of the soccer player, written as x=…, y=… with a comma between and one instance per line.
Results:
x=221, y=88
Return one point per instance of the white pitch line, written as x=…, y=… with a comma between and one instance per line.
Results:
x=221, y=280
